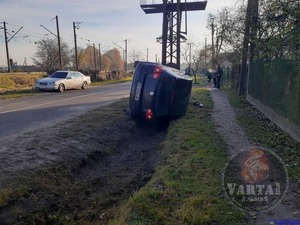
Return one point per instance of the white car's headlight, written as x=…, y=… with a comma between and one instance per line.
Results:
x=52, y=83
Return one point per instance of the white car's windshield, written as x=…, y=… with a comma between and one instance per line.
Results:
x=59, y=75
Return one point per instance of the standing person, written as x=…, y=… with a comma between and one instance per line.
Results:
x=187, y=71
x=218, y=76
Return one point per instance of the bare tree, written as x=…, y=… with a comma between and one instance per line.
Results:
x=192, y=56
x=47, y=55
x=218, y=24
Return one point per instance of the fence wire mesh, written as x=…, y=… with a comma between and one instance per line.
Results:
x=276, y=84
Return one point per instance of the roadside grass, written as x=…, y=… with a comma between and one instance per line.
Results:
x=17, y=93
x=267, y=134
x=187, y=185
x=17, y=85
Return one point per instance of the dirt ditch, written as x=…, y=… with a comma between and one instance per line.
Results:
x=77, y=171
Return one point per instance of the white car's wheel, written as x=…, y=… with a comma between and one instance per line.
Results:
x=61, y=88
x=84, y=85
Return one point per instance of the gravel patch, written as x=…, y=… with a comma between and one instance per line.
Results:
x=227, y=126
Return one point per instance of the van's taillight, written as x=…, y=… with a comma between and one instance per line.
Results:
x=149, y=114
x=156, y=72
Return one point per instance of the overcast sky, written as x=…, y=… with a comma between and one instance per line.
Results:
x=104, y=22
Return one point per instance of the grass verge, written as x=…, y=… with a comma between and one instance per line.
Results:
x=21, y=84
x=187, y=185
x=18, y=93
x=17, y=84
x=267, y=134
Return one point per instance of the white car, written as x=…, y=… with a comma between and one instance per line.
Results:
x=63, y=80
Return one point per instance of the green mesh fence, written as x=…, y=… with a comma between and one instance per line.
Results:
x=276, y=84
x=226, y=78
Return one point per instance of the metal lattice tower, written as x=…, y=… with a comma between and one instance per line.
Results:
x=172, y=35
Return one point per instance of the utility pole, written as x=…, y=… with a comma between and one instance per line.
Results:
x=213, y=60
x=95, y=60
x=58, y=40
x=59, y=47
x=124, y=53
x=9, y=62
x=147, y=54
x=76, y=59
x=100, y=63
x=76, y=26
x=190, y=55
x=205, y=47
x=247, y=33
x=6, y=45
x=126, y=46
x=172, y=34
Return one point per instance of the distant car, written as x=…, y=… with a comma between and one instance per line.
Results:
x=63, y=80
x=159, y=91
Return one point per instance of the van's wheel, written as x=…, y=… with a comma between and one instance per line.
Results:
x=61, y=88
x=84, y=85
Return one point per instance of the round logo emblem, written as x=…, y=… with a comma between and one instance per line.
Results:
x=256, y=179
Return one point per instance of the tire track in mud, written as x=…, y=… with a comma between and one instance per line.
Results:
x=90, y=178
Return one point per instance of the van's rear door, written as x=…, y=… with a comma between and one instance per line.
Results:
x=137, y=87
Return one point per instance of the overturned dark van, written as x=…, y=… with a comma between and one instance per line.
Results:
x=159, y=91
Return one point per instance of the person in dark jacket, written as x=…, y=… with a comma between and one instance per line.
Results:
x=218, y=76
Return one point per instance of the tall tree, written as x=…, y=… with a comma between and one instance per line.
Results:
x=106, y=62
x=47, y=55
x=116, y=59
x=192, y=56
x=219, y=25
x=279, y=31
x=86, y=58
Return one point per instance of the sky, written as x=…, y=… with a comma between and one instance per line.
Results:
x=104, y=22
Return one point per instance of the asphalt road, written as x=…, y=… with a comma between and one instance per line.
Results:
x=47, y=108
